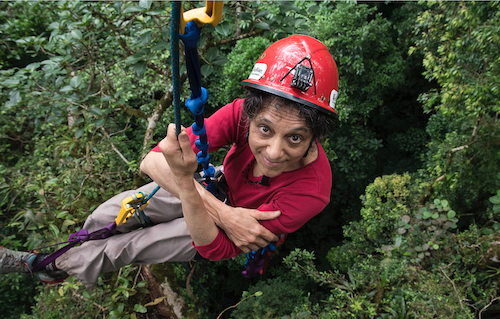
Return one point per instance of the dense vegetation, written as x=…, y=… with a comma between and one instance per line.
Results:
x=412, y=229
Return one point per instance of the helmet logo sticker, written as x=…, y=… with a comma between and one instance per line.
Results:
x=258, y=71
x=333, y=98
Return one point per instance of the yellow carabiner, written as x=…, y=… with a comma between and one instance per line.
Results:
x=211, y=13
x=129, y=206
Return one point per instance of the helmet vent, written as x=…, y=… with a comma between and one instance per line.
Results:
x=303, y=75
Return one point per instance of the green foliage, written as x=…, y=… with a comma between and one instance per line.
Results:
x=121, y=297
x=369, y=62
x=240, y=62
x=425, y=231
x=460, y=45
x=279, y=297
x=400, y=258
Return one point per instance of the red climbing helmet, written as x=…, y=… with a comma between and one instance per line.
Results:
x=298, y=68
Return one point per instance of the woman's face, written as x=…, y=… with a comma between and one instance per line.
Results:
x=279, y=138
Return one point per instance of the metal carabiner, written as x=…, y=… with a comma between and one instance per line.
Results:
x=129, y=206
x=211, y=13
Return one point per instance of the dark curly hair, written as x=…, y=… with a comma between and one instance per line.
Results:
x=318, y=122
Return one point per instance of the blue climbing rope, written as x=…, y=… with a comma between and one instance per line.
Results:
x=174, y=51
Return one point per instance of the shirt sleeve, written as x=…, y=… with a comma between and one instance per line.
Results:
x=220, y=248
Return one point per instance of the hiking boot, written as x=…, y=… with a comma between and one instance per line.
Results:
x=52, y=277
x=16, y=261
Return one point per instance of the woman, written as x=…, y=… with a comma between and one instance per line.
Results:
x=276, y=165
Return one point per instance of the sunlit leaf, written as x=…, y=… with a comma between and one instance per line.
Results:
x=133, y=9
x=155, y=302
x=75, y=81
x=76, y=34
x=146, y=4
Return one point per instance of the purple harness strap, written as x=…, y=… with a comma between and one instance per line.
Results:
x=76, y=238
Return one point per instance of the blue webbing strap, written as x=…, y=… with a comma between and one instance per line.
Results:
x=198, y=98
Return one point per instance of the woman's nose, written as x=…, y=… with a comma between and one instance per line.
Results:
x=274, y=149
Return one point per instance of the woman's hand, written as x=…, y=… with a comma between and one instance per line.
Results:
x=180, y=156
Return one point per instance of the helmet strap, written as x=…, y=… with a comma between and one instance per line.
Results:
x=307, y=152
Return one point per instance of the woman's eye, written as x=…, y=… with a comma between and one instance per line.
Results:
x=264, y=129
x=295, y=139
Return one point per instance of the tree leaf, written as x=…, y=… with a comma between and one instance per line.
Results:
x=220, y=60
x=206, y=70
x=262, y=25
x=140, y=308
x=10, y=82
x=75, y=81
x=99, y=122
x=76, y=34
x=96, y=111
x=245, y=16
x=140, y=67
x=164, y=45
x=14, y=96
x=262, y=13
x=133, y=9
x=146, y=37
x=495, y=200
x=211, y=54
x=223, y=28
x=451, y=214
x=155, y=302
x=106, y=98
x=313, y=9
x=146, y=4
x=79, y=133
x=398, y=241
x=66, y=89
x=68, y=222
x=54, y=229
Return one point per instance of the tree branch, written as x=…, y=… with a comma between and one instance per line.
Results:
x=234, y=39
x=114, y=147
x=125, y=47
x=164, y=103
x=456, y=291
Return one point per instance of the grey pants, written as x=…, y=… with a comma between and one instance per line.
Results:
x=168, y=240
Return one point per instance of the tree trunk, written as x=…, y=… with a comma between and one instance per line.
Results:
x=155, y=291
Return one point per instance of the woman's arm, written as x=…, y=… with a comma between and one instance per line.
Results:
x=183, y=164
x=240, y=225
